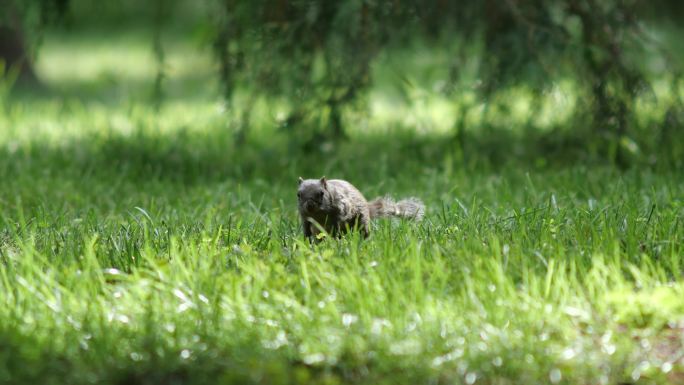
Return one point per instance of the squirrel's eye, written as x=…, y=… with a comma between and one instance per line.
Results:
x=320, y=194
x=299, y=195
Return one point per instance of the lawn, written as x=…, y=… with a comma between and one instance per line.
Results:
x=147, y=246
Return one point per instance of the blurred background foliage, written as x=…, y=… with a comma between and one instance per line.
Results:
x=614, y=64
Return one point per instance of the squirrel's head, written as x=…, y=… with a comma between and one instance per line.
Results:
x=313, y=195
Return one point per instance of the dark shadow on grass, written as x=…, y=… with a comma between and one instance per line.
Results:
x=188, y=157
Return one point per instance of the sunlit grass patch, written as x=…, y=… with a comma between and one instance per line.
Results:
x=538, y=277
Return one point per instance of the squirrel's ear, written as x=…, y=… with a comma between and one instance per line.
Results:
x=324, y=182
x=301, y=180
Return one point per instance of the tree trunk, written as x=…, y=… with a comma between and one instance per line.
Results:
x=13, y=49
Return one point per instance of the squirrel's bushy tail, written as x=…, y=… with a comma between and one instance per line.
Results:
x=412, y=208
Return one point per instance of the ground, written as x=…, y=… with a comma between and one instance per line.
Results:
x=145, y=246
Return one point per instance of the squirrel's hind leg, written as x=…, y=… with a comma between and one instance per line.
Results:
x=364, y=225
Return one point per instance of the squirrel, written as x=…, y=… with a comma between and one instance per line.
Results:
x=336, y=206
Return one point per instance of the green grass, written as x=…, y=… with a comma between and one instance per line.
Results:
x=147, y=247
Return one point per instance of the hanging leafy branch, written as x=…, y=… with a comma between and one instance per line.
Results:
x=318, y=54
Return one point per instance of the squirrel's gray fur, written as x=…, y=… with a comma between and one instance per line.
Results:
x=335, y=205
